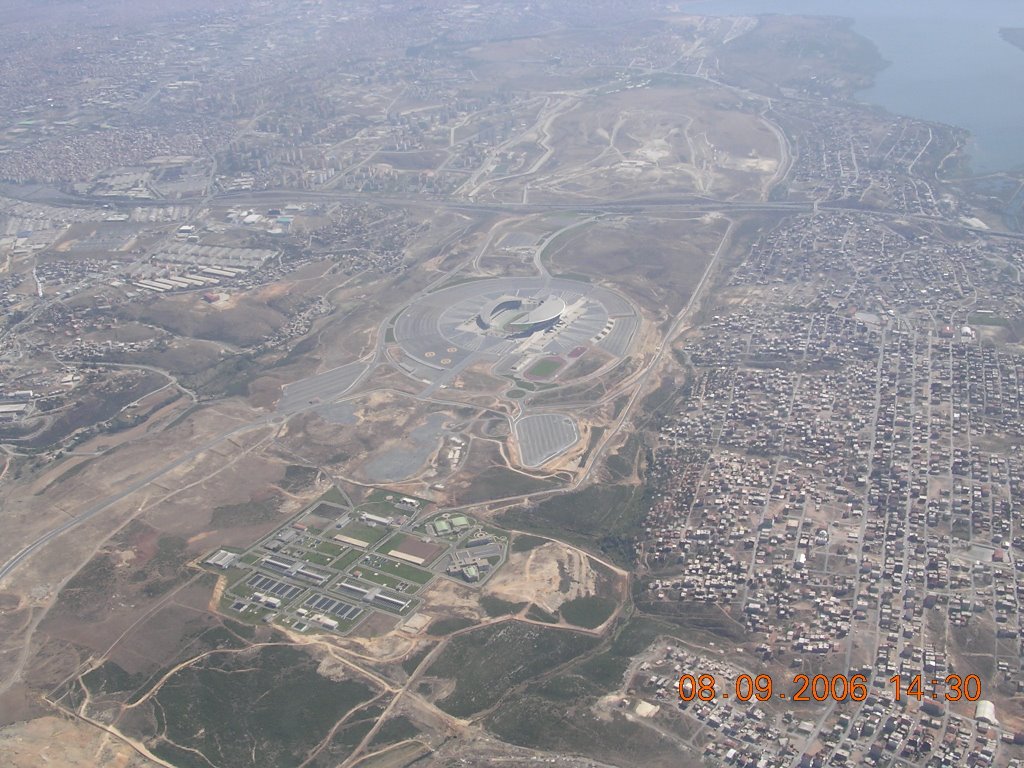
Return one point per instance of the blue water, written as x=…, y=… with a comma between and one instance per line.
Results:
x=947, y=63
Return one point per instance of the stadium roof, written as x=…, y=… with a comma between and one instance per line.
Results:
x=491, y=308
x=548, y=310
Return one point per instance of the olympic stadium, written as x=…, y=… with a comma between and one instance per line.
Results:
x=506, y=321
x=516, y=317
x=533, y=331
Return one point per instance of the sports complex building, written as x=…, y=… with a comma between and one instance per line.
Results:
x=508, y=326
x=503, y=320
x=517, y=317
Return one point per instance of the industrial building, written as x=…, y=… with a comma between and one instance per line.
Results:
x=222, y=559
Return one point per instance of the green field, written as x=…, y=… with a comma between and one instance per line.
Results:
x=401, y=570
x=329, y=548
x=252, y=615
x=316, y=558
x=394, y=541
x=546, y=368
x=979, y=318
x=332, y=496
x=239, y=587
x=371, y=534
x=346, y=559
x=312, y=628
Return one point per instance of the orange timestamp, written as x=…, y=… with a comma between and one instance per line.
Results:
x=828, y=688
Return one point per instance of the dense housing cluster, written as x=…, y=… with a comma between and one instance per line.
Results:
x=838, y=466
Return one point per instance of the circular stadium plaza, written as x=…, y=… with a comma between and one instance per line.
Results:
x=512, y=321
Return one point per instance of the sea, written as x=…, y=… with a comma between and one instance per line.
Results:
x=947, y=63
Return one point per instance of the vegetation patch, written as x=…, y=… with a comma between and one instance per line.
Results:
x=536, y=613
x=110, y=678
x=393, y=731
x=413, y=661
x=99, y=402
x=487, y=662
x=607, y=669
x=605, y=517
x=590, y=611
x=298, y=477
x=267, y=707
x=523, y=542
x=596, y=433
x=542, y=723
x=495, y=606
x=89, y=589
x=567, y=687
x=442, y=627
x=501, y=483
x=253, y=512
x=620, y=465
x=696, y=617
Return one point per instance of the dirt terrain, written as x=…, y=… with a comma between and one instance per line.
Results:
x=59, y=741
x=111, y=625
x=547, y=576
